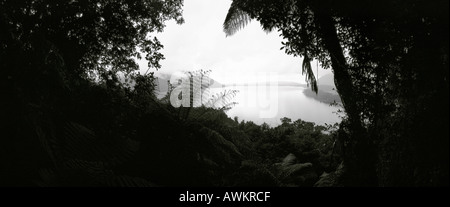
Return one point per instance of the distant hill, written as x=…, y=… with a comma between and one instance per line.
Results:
x=326, y=83
x=326, y=80
x=327, y=90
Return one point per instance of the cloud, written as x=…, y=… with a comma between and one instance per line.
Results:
x=200, y=43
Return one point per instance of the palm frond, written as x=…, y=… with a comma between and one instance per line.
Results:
x=235, y=20
x=308, y=72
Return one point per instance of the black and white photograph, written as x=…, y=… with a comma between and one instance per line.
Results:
x=265, y=94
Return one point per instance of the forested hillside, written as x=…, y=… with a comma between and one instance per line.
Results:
x=77, y=111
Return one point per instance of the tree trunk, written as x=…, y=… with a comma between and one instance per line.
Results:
x=360, y=159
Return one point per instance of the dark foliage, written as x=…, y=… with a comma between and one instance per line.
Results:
x=390, y=63
x=75, y=111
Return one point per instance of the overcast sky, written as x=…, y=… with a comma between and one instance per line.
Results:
x=200, y=43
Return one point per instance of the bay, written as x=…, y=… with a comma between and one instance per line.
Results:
x=287, y=101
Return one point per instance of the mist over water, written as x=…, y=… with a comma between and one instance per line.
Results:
x=291, y=101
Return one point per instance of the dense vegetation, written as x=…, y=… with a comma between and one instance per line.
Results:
x=68, y=119
x=390, y=63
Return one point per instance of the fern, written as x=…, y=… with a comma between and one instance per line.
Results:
x=127, y=181
x=222, y=100
x=82, y=158
x=287, y=170
x=223, y=149
x=79, y=142
x=88, y=174
x=290, y=170
x=199, y=96
x=235, y=20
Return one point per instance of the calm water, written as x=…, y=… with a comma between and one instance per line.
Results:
x=287, y=101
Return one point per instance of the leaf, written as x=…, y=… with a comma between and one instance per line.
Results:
x=223, y=149
x=235, y=20
x=307, y=70
x=79, y=142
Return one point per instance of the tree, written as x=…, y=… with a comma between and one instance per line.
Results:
x=310, y=32
x=58, y=58
x=89, y=37
x=240, y=14
x=386, y=56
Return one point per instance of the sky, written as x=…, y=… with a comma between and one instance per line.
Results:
x=200, y=43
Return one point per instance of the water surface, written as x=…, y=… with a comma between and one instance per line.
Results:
x=291, y=101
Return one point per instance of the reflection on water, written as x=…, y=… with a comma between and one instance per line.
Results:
x=292, y=103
